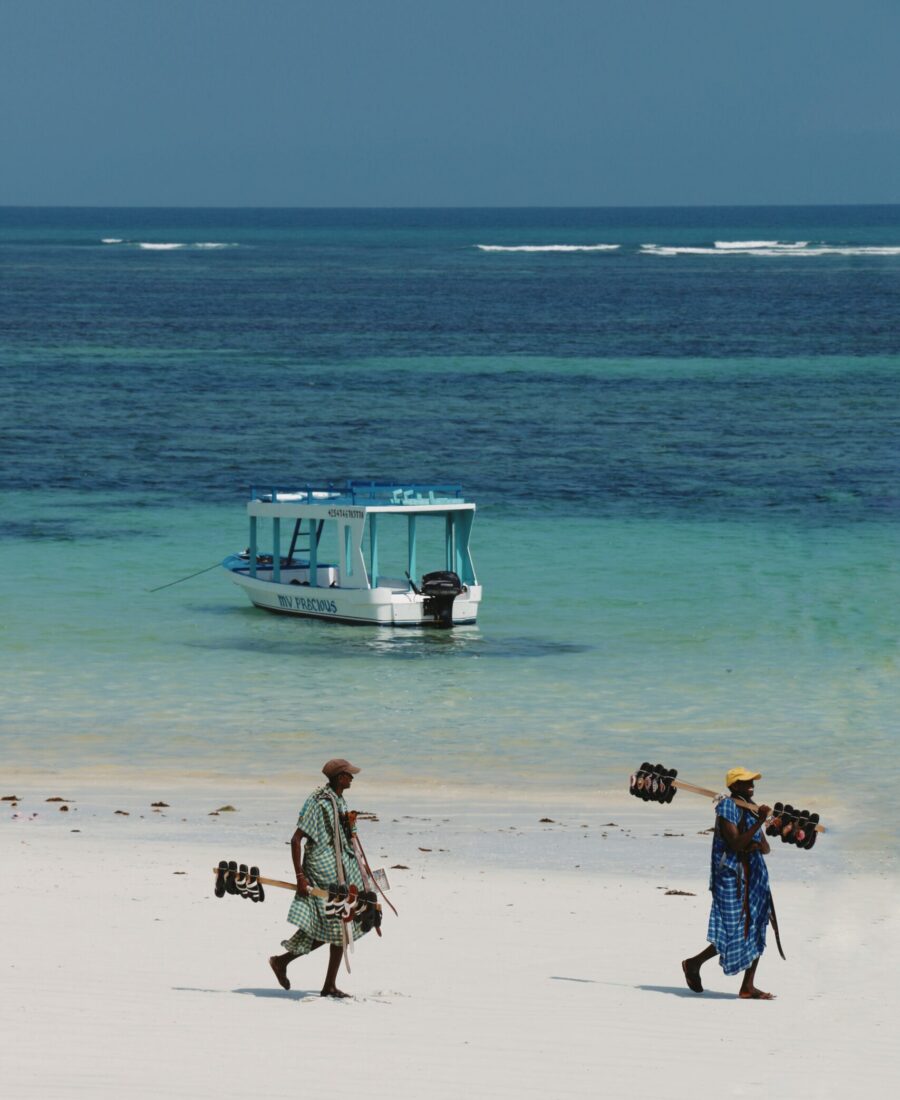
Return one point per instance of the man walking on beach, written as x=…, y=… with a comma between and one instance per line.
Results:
x=739, y=881
x=325, y=829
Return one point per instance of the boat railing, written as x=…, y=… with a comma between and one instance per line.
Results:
x=360, y=492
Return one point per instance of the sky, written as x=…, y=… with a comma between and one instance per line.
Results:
x=435, y=103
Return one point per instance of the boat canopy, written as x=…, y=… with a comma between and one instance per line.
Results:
x=355, y=507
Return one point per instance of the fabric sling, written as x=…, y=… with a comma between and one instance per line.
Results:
x=337, y=840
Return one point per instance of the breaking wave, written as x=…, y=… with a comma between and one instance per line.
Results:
x=548, y=247
x=169, y=246
x=748, y=246
x=770, y=248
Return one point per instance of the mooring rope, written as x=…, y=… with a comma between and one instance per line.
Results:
x=160, y=587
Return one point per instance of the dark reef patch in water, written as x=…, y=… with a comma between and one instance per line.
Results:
x=39, y=530
x=69, y=530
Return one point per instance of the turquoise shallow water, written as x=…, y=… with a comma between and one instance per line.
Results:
x=602, y=642
x=685, y=466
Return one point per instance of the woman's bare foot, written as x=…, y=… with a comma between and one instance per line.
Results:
x=333, y=992
x=754, y=994
x=279, y=969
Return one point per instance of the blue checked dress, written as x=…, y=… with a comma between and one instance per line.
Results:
x=726, y=881
x=316, y=822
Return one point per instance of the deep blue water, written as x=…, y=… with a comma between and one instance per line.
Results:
x=684, y=454
x=332, y=343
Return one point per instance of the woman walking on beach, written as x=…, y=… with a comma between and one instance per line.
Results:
x=325, y=829
x=739, y=881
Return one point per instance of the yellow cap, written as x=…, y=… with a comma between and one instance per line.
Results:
x=740, y=775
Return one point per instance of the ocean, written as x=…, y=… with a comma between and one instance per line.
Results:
x=679, y=426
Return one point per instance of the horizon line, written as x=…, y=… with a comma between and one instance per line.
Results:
x=463, y=206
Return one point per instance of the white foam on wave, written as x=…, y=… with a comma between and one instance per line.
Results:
x=671, y=250
x=112, y=240
x=548, y=247
x=851, y=250
x=771, y=248
x=169, y=246
x=748, y=246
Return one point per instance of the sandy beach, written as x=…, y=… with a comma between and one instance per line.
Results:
x=530, y=957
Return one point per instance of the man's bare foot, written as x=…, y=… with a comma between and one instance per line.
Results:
x=692, y=975
x=754, y=994
x=333, y=992
x=280, y=972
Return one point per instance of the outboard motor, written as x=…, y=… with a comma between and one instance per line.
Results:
x=440, y=589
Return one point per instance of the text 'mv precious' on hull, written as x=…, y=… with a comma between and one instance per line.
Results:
x=317, y=551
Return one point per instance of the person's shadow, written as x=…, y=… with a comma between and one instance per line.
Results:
x=680, y=991
x=281, y=994
x=673, y=990
x=278, y=994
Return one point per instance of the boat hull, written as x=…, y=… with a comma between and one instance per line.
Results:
x=366, y=606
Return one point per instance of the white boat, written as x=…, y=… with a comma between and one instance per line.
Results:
x=351, y=553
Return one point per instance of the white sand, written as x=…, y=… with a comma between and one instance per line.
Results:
x=510, y=971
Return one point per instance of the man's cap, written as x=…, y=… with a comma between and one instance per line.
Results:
x=335, y=767
x=740, y=775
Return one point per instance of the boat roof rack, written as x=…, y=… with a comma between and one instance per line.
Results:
x=362, y=492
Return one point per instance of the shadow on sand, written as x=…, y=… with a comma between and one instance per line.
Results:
x=681, y=991
x=674, y=990
x=278, y=994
